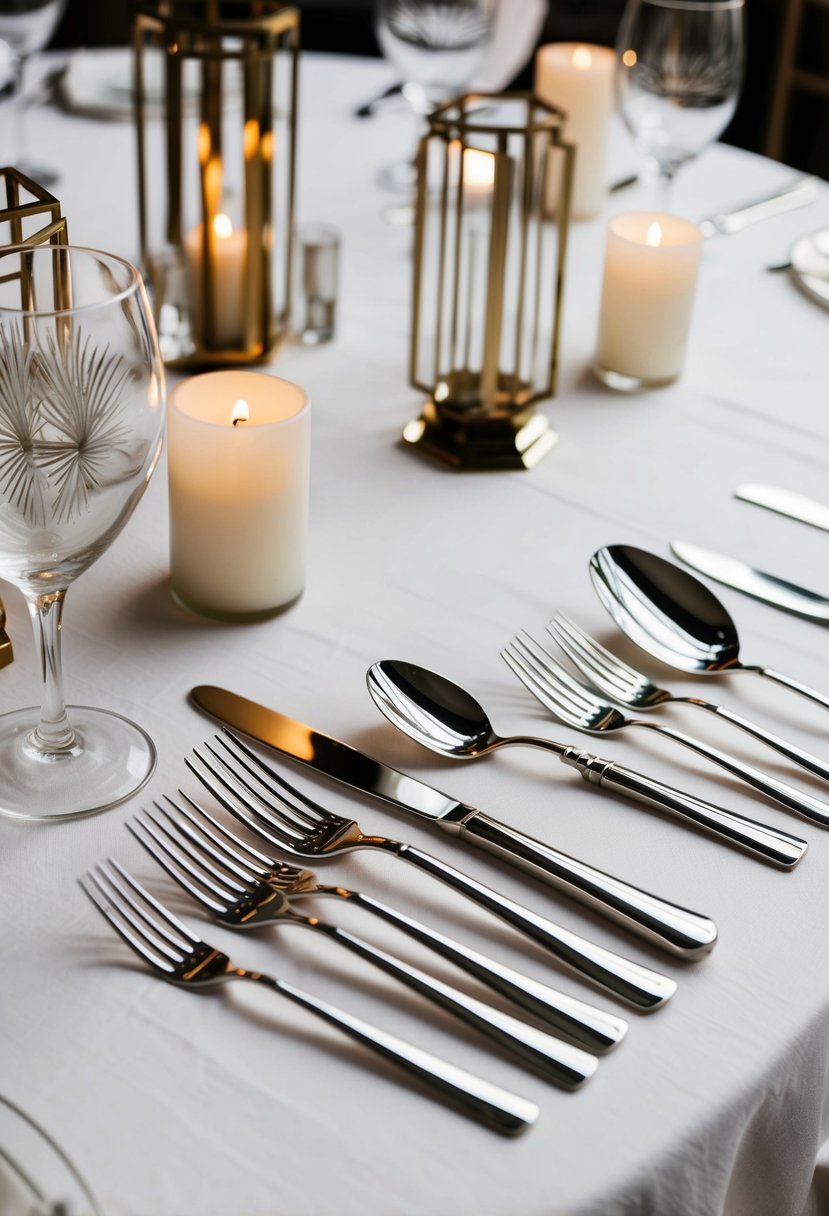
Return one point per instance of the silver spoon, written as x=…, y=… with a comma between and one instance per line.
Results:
x=673, y=616
x=442, y=716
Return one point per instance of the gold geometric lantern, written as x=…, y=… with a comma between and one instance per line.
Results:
x=216, y=91
x=29, y=215
x=488, y=279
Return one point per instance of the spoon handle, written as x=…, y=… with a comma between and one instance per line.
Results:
x=768, y=843
x=800, y=757
x=787, y=682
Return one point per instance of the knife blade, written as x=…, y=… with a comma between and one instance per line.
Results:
x=799, y=193
x=766, y=587
x=785, y=502
x=661, y=922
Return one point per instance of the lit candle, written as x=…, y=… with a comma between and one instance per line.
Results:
x=229, y=251
x=238, y=460
x=478, y=175
x=650, y=276
x=578, y=79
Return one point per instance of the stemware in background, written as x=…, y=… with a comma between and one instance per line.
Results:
x=27, y=26
x=81, y=422
x=437, y=47
x=679, y=74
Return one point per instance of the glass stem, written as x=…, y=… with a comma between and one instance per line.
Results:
x=53, y=732
x=666, y=181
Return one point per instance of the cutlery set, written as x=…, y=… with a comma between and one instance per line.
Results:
x=247, y=886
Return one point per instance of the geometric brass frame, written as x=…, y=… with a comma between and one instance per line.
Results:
x=19, y=210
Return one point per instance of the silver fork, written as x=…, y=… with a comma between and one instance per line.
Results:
x=175, y=954
x=578, y=705
x=226, y=860
x=278, y=813
x=631, y=688
x=245, y=905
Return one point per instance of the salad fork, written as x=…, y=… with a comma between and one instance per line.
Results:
x=253, y=904
x=578, y=705
x=629, y=687
x=175, y=954
x=277, y=812
x=223, y=858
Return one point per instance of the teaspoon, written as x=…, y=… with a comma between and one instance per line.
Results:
x=445, y=718
x=673, y=616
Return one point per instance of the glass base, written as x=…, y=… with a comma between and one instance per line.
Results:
x=629, y=384
x=112, y=759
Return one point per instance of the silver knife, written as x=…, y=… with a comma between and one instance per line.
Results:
x=797, y=194
x=665, y=924
x=786, y=502
x=766, y=587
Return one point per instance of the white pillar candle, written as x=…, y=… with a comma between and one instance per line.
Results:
x=238, y=461
x=578, y=79
x=229, y=252
x=650, y=276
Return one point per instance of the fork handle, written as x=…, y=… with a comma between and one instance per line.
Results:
x=777, y=677
x=772, y=845
x=591, y=1028
x=667, y=925
x=562, y=1063
x=780, y=791
x=491, y=1105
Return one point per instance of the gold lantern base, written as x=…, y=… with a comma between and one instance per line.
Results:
x=516, y=440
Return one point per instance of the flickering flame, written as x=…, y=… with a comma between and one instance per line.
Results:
x=582, y=59
x=222, y=227
x=478, y=167
x=654, y=234
x=240, y=413
x=250, y=138
x=629, y=58
x=204, y=143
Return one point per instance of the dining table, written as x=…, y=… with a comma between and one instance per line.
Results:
x=237, y=1104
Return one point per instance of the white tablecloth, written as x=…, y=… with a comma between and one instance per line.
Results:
x=175, y=1105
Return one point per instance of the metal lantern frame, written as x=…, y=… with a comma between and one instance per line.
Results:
x=29, y=214
x=483, y=417
x=256, y=35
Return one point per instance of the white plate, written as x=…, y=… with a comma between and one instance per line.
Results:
x=36, y=1176
x=809, y=257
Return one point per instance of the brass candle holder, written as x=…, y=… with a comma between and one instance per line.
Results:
x=488, y=279
x=216, y=90
x=29, y=214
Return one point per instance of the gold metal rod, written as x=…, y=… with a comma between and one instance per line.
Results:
x=439, y=310
x=499, y=230
x=252, y=64
x=421, y=218
x=173, y=111
x=212, y=183
x=525, y=204
x=456, y=270
x=143, y=185
x=563, y=222
x=539, y=276
x=293, y=43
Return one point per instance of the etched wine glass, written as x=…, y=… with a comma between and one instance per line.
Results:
x=678, y=77
x=81, y=420
x=27, y=26
x=437, y=47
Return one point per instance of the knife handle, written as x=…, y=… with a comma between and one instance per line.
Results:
x=673, y=928
x=787, y=682
x=631, y=982
x=772, y=845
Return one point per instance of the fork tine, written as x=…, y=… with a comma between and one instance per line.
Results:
x=560, y=678
x=222, y=837
x=289, y=816
x=590, y=657
x=169, y=927
x=518, y=664
x=560, y=698
x=129, y=932
x=288, y=795
x=197, y=842
x=194, y=878
x=257, y=817
x=614, y=663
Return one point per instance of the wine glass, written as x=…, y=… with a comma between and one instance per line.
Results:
x=81, y=420
x=436, y=46
x=679, y=74
x=26, y=26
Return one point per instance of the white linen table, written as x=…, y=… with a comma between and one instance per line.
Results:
x=175, y=1105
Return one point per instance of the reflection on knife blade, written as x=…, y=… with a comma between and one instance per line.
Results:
x=766, y=587
x=786, y=502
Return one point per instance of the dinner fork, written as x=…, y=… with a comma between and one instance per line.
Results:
x=178, y=956
x=255, y=903
x=278, y=813
x=631, y=688
x=578, y=705
x=225, y=857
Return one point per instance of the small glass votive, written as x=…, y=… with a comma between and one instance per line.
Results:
x=315, y=282
x=238, y=448
x=650, y=276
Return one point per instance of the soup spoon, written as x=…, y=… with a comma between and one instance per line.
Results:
x=444, y=717
x=674, y=617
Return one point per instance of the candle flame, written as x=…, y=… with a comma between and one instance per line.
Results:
x=240, y=412
x=629, y=58
x=478, y=167
x=582, y=58
x=654, y=234
x=250, y=139
x=222, y=227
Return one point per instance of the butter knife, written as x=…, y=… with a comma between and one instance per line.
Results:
x=766, y=587
x=785, y=502
x=797, y=194
x=664, y=924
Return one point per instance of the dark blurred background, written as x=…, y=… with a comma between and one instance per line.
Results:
x=783, y=111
